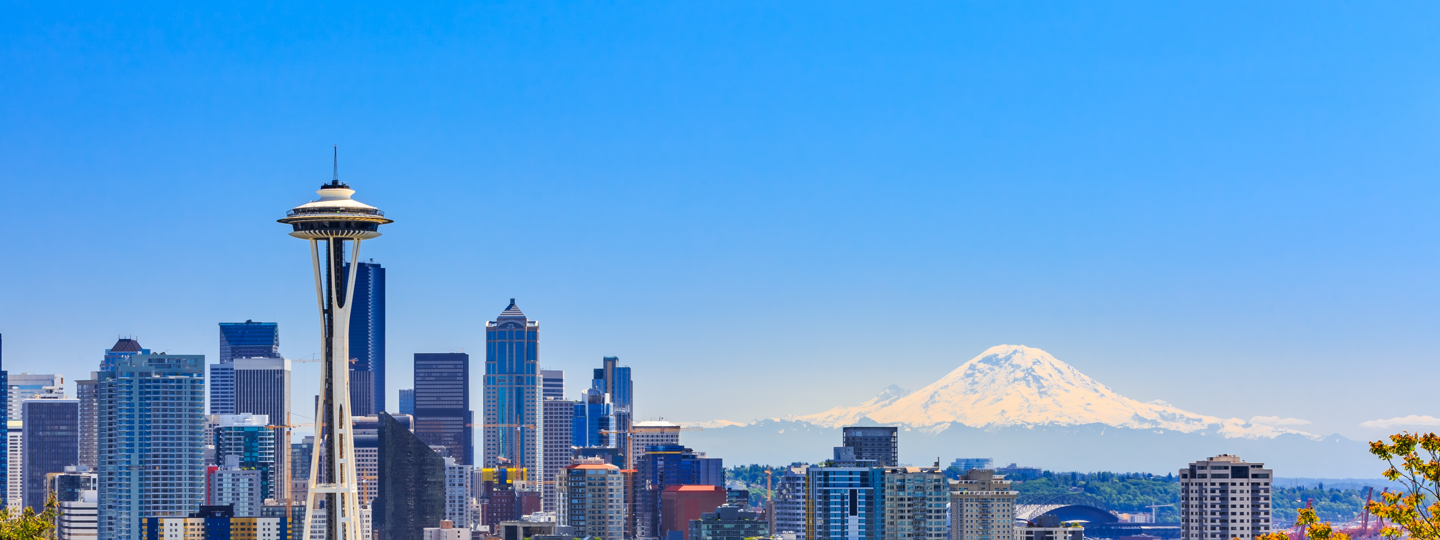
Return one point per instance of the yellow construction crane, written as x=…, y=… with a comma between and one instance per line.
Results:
x=289, y=485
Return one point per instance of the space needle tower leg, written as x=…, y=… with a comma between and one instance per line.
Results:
x=328, y=224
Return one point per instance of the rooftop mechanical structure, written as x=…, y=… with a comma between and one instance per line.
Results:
x=329, y=224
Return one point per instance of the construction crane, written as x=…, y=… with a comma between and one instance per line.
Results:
x=630, y=452
x=1153, y=507
x=289, y=485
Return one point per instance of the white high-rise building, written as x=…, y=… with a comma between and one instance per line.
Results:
x=556, y=415
x=78, y=518
x=15, y=477
x=651, y=433
x=25, y=386
x=457, y=493
x=1224, y=497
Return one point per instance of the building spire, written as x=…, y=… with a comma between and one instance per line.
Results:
x=336, y=180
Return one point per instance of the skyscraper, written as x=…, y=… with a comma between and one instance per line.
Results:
x=1225, y=497
x=25, y=386
x=913, y=500
x=412, y=483
x=331, y=222
x=843, y=501
x=555, y=444
x=5, y=498
x=594, y=420
x=152, y=420
x=89, y=413
x=407, y=401
x=245, y=437
x=122, y=348
x=789, y=501
x=552, y=384
x=512, y=389
x=647, y=433
x=52, y=429
x=666, y=466
x=878, y=443
x=982, y=507
x=249, y=339
x=593, y=496
x=367, y=335
x=614, y=380
x=262, y=387
x=442, y=404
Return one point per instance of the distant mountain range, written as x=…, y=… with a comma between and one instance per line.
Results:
x=1022, y=404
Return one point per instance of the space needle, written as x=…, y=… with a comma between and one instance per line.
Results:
x=329, y=224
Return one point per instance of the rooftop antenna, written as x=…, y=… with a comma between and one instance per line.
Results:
x=337, y=164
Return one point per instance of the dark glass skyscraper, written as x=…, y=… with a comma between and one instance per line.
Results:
x=367, y=336
x=249, y=339
x=670, y=465
x=52, y=442
x=442, y=404
x=879, y=443
x=512, y=387
x=412, y=483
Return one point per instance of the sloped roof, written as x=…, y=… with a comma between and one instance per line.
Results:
x=512, y=312
x=126, y=345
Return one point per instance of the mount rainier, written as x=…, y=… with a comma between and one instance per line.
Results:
x=1020, y=404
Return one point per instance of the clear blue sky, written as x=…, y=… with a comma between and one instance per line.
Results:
x=764, y=208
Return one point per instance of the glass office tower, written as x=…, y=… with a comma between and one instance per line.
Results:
x=412, y=483
x=442, y=404
x=249, y=339
x=512, y=387
x=367, y=337
x=52, y=442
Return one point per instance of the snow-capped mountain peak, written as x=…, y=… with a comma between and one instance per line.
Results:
x=1015, y=385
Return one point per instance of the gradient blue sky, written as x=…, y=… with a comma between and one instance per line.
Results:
x=764, y=208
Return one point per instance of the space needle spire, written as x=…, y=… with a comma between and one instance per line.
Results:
x=329, y=224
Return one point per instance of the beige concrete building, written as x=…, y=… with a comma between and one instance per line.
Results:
x=914, y=503
x=651, y=433
x=982, y=507
x=1224, y=497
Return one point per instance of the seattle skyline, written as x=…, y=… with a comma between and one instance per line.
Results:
x=853, y=195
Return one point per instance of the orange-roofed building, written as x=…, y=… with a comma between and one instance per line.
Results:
x=680, y=504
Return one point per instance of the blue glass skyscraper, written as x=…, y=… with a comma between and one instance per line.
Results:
x=614, y=380
x=512, y=389
x=4, y=428
x=367, y=338
x=594, y=416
